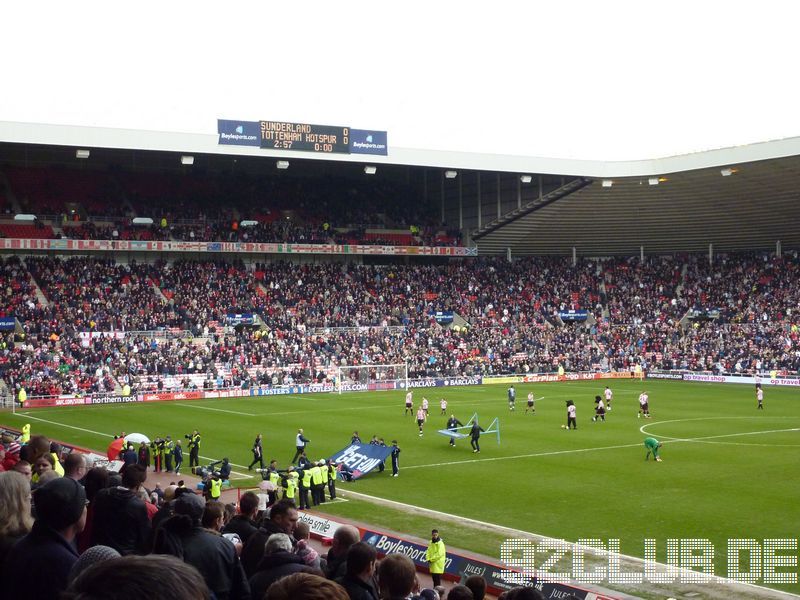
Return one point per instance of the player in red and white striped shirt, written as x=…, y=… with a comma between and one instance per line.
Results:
x=420, y=419
x=760, y=396
x=609, y=396
x=644, y=405
x=409, y=403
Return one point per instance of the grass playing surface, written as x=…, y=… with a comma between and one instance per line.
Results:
x=728, y=470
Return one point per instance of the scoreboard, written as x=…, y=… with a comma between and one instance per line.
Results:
x=282, y=135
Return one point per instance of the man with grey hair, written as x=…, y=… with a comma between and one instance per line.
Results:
x=344, y=537
x=279, y=561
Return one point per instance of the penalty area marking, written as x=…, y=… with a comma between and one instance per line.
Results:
x=707, y=439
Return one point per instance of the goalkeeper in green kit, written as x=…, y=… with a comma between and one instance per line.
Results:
x=652, y=445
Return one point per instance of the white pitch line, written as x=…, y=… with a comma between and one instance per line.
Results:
x=29, y=416
x=577, y=450
x=521, y=533
x=233, y=412
x=643, y=430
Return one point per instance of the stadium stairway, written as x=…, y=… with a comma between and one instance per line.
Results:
x=41, y=299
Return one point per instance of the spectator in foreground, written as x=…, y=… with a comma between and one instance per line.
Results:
x=120, y=515
x=397, y=577
x=522, y=593
x=305, y=586
x=303, y=549
x=244, y=524
x=282, y=519
x=214, y=556
x=15, y=510
x=460, y=592
x=477, y=584
x=152, y=577
x=89, y=558
x=343, y=538
x=362, y=560
x=279, y=561
x=38, y=565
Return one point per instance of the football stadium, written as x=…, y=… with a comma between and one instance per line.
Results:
x=248, y=352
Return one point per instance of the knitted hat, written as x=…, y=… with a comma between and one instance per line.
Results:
x=91, y=556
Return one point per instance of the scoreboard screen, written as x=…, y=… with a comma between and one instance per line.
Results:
x=281, y=135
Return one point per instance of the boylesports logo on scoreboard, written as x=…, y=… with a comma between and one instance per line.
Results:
x=363, y=141
x=239, y=133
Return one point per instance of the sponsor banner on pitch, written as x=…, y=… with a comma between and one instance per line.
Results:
x=361, y=458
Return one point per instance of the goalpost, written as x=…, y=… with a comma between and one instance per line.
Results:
x=379, y=377
x=8, y=402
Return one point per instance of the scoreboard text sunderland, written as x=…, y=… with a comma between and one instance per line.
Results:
x=281, y=135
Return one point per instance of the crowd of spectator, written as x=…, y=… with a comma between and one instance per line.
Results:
x=75, y=530
x=274, y=208
x=90, y=324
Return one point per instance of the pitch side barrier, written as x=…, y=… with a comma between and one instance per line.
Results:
x=763, y=379
x=555, y=378
x=314, y=388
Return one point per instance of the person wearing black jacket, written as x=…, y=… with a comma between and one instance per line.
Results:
x=279, y=561
x=282, y=519
x=243, y=524
x=119, y=516
x=194, y=450
x=39, y=564
x=359, y=580
x=258, y=453
x=475, y=436
x=213, y=555
x=452, y=423
x=343, y=539
x=300, y=445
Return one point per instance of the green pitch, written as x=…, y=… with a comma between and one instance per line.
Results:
x=728, y=470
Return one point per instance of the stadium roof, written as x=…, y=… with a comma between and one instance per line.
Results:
x=693, y=204
x=748, y=206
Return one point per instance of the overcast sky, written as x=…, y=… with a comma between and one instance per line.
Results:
x=588, y=80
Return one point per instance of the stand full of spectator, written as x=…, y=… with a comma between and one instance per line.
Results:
x=38, y=565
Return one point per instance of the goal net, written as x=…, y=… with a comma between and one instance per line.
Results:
x=372, y=377
x=8, y=402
